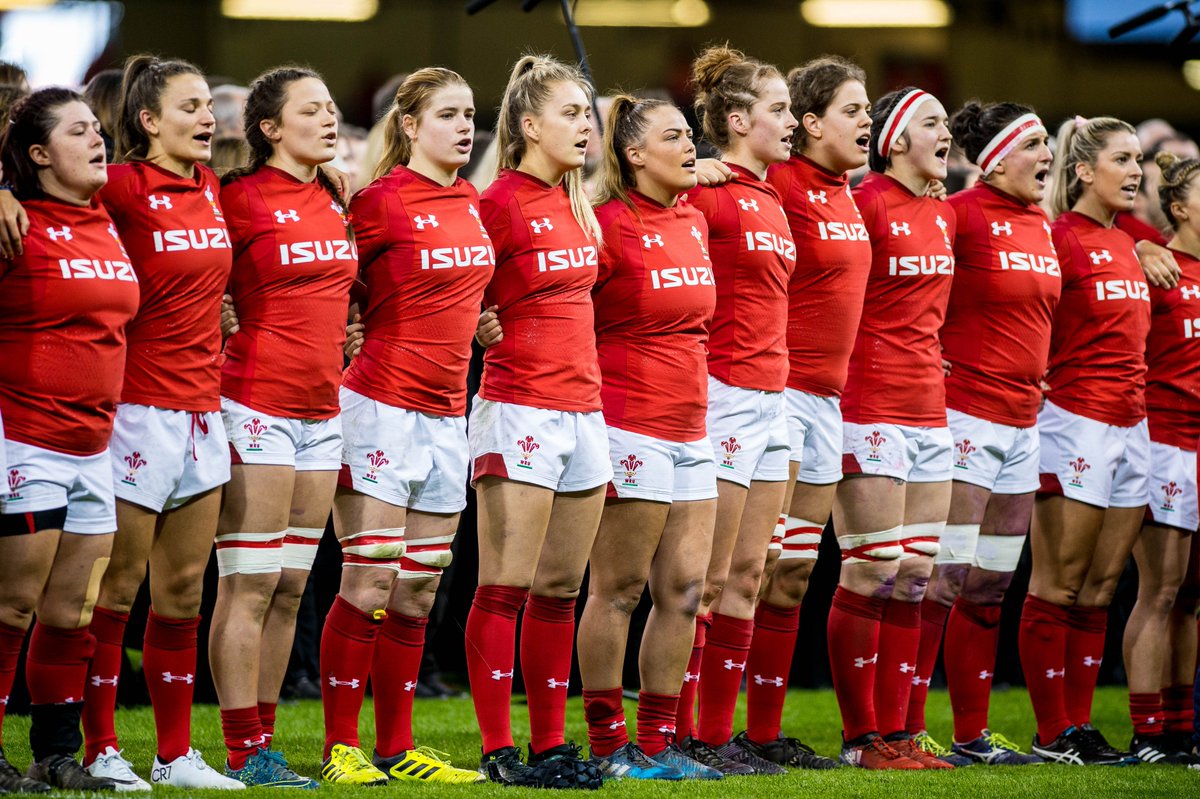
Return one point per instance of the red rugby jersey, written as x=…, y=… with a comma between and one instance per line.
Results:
x=833, y=260
x=895, y=372
x=176, y=236
x=1173, y=359
x=654, y=298
x=1006, y=285
x=545, y=269
x=1139, y=230
x=64, y=305
x=753, y=256
x=1097, y=349
x=292, y=270
x=425, y=258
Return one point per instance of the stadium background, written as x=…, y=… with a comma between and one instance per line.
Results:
x=1053, y=54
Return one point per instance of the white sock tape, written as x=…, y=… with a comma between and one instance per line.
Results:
x=871, y=547
x=999, y=553
x=249, y=553
x=958, y=544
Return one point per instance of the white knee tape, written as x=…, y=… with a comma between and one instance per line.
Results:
x=249, y=553
x=999, y=553
x=958, y=544
x=300, y=547
x=801, y=539
x=776, y=544
x=921, y=539
x=382, y=547
x=871, y=547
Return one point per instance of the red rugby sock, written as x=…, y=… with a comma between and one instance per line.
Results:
x=768, y=667
x=491, y=646
x=1043, y=647
x=899, y=641
x=853, y=630
x=100, y=690
x=933, y=624
x=169, y=666
x=547, y=639
x=394, y=681
x=972, y=635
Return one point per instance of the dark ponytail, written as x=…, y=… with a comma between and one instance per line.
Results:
x=142, y=87
x=30, y=123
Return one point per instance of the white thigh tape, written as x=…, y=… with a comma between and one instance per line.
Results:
x=958, y=544
x=921, y=539
x=426, y=557
x=249, y=553
x=382, y=547
x=871, y=547
x=801, y=539
x=300, y=547
x=777, y=534
x=999, y=553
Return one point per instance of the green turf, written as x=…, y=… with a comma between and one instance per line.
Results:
x=450, y=726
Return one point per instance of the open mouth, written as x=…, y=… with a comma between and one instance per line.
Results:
x=463, y=145
x=97, y=159
x=581, y=145
x=690, y=165
x=1041, y=175
x=329, y=138
x=203, y=138
x=941, y=153
x=863, y=142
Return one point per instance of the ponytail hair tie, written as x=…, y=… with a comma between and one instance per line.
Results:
x=1081, y=122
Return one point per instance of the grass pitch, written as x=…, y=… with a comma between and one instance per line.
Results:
x=449, y=725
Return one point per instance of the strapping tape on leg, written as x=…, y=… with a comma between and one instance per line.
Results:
x=777, y=535
x=383, y=547
x=871, y=547
x=801, y=539
x=426, y=557
x=958, y=544
x=300, y=547
x=999, y=553
x=249, y=553
x=922, y=539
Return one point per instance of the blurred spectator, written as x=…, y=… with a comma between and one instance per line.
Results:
x=13, y=75
x=351, y=155
x=228, y=152
x=229, y=101
x=103, y=96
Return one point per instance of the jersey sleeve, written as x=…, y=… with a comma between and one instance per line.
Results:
x=611, y=252
x=236, y=205
x=370, y=209
x=495, y=216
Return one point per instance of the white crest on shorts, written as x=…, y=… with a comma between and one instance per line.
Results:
x=287, y=216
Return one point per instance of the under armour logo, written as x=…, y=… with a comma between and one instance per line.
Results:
x=748, y=205
x=862, y=663
x=761, y=680
x=650, y=241
x=553, y=683
x=616, y=725
x=1100, y=257
x=254, y=743
x=3, y=701
x=906, y=668
x=1152, y=720
x=986, y=675
x=500, y=675
x=63, y=232
x=918, y=682
x=689, y=677
x=1051, y=673
x=159, y=201
x=169, y=677
x=665, y=730
x=1190, y=292
x=1002, y=229
x=1088, y=660
x=410, y=686
x=730, y=665
x=422, y=221
x=900, y=228
x=97, y=680
x=289, y=216
x=541, y=225
x=817, y=197
x=335, y=682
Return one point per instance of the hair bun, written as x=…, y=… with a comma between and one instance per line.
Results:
x=1167, y=160
x=713, y=63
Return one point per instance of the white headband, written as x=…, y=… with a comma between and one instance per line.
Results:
x=1007, y=140
x=901, y=114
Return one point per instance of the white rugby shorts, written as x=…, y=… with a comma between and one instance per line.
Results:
x=308, y=445
x=42, y=479
x=999, y=457
x=912, y=454
x=1093, y=462
x=650, y=468
x=815, y=435
x=162, y=458
x=564, y=451
x=1173, y=499
x=749, y=433
x=403, y=457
